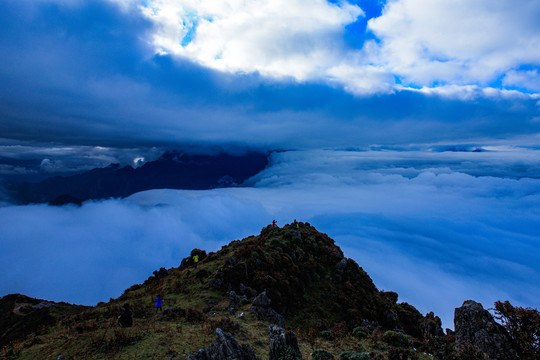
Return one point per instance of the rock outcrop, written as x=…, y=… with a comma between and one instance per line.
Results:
x=282, y=344
x=476, y=326
x=224, y=347
x=262, y=310
x=431, y=326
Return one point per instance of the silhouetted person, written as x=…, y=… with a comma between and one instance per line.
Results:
x=126, y=317
x=159, y=302
x=274, y=224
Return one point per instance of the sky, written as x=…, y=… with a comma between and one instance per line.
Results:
x=372, y=110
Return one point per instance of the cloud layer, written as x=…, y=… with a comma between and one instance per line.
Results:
x=419, y=224
x=462, y=42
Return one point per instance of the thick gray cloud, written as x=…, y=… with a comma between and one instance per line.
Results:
x=82, y=73
x=426, y=228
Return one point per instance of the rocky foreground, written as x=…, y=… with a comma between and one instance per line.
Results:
x=287, y=293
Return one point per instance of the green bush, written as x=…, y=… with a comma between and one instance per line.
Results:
x=288, y=353
x=353, y=355
x=359, y=332
x=322, y=355
x=395, y=338
x=327, y=334
x=244, y=301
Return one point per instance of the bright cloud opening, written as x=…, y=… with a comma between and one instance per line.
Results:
x=422, y=43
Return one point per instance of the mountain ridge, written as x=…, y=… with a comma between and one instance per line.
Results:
x=174, y=170
x=293, y=276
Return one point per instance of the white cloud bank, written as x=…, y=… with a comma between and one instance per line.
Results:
x=418, y=43
x=460, y=42
x=418, y=223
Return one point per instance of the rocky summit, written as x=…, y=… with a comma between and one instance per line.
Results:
x=286, y=293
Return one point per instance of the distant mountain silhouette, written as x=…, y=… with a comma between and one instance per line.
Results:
x=173, y=170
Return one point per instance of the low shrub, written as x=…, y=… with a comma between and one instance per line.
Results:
x=359, y=332
x=353, y=355
x=288, y=353
x=322, y=355
x=395, y=338
x=327, y=334
x=244, y=301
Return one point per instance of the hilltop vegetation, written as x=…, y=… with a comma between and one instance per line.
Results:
x=295, y=277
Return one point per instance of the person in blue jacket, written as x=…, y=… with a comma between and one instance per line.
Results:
x=159, y=302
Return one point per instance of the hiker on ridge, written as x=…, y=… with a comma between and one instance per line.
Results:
x=159, y=302
x=126, y=317
x=274, y=224
x=296, y=228
x=195, y=260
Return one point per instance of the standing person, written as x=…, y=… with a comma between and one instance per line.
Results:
x=126, y=317
x=296, y=228
x=274, y=224
x=195, y=260
x=159, y=302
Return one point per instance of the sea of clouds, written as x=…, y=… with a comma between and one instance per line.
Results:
x=436, y=227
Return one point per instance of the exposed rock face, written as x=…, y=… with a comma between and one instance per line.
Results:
x=224, y=347
x=268, y=314
x=262, y=310
x=281, y=342
x=431, y=326
x=261, y=300
x=476, y=326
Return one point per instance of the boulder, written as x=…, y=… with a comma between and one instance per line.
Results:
x=234, y=299
x=282, y=344
x=224, y=347
x=268, y=314
x=216, y=283
x=261, y=300
x=476, y=326
x=248, y=291
x=262, y=310
x=200, y=355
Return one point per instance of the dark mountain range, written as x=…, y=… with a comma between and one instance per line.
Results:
x=172, y=171
x=292, y=277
